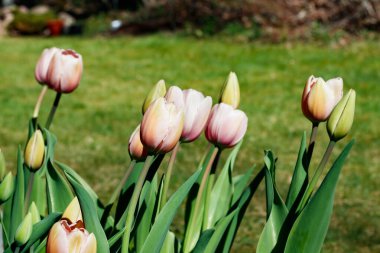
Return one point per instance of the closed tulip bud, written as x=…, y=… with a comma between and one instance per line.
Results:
x=226, y=126
x=35, y=151
x=231, y=92
x=43, y=63
x=136, y=149
x=342, y=117
x=7, y=187
x=158, y=91
x=319, y=98
x=73, y=211
x=2, y=166
x=24, y=230
x=175, y=95
x=33, y=210
x=70, y=237
x=65, y=71
x=197, y=110
x=161, y=126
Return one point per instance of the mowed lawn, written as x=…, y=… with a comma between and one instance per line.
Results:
x=94, y=123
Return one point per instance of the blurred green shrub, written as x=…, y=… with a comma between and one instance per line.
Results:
x=30, y=23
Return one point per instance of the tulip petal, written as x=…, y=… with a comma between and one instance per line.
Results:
x=57, y=240
x=90, y=245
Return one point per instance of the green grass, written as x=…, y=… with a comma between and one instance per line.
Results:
x=94, y=123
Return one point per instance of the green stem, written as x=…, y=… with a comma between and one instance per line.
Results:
x=17, y=250
x=196, y=212
x=317, y=174
x=53, y=109
x=4, y=231
x=168, y=175
x=310, y=149
x=29, y=190
x=39, y=102
x=116, y=193
x=133, y=204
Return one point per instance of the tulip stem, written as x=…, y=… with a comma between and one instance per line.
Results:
x=168, y=175
x=29, y=190
x=310, y=148
x=117, y=191
x=317, y=174
x=39, y=102
x=196, y=212
x=53, y=109
x=133, y=204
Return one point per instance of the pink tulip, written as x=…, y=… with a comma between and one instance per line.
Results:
x=161, y=126
x=197, y=110
x=319, y=97
x=43, y=63
x=136, y=149
x=65, y=71
x=175, y=95
x=226, y=126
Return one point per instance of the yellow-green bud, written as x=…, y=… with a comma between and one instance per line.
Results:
x=230, y=93
x=2, y=165
x=35, y=213
x=341, y=118
x=7, y=187
x=24, y=230
x=159, y=90
x=35, y=151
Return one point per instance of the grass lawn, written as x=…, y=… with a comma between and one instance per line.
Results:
x=94, y=123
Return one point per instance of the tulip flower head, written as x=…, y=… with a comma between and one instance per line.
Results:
x=230, y=93
x=24, y=230
x=35, y=151
x=319, y=97
x=43, y=63
x=161, y=126
x=136, y=149
x=175, y=95
x=65, y=71
x=158, y=91
x=226, y=126
x=7, y=186
x=197, y=110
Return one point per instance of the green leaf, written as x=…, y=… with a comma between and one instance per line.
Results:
x=41, y=230
x=300, y=175
x=309, y=230
x=203, y=240
x=275, y=208
x=240, y=183
x=169, y=245
x=90, y=216
x=160, y=228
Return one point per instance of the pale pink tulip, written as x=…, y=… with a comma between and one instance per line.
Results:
x=65, y=71
x=319, y=98
x=136, y=149
x=175, y=95
x=197, y=110
x=43, y=63
x=226, y=126
x=161, y=126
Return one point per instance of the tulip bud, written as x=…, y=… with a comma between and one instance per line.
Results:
x=197, y=110
x=73, y=211
x=226, y=126
x=175, y=95
x=33, y=210
x=161, y=126
x=158, y=91
x=6, y=187
x=319, y=97
x=65, y=71
x=35, y=151
x=24, y=230
x=136, y=149
x=230, y=93
x=43, y=63
x=2, y=166
x=342, y=117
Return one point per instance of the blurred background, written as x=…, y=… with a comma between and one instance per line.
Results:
x=272, y=45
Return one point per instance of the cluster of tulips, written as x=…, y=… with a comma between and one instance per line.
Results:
x=48, y=207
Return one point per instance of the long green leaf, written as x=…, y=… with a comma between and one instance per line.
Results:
x=160, y=228
x=310, y=229
x=90, y=216
x=203, y=240
x=240, y=183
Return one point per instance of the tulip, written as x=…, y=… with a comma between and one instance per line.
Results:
x=158, y=91
x=136, y=149
x=230, y=93
x=33, y=210
x=226, y=126
x=342, y=117
x=197, y=110
x=175, y=95
x=7, y=186
x=43, y=63
x=161, y=126
x=2, y=165
x=73, y=211
x=24, y=230
x=35, y=151
x=319, y=98
x=65, y=71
